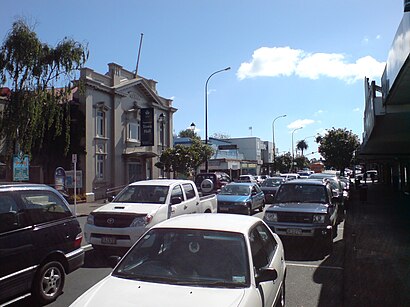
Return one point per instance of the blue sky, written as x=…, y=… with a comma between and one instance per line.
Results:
x=305, y=59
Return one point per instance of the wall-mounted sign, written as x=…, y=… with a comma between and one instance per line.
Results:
x=21, y=167
x=59, y=179
x=69, y=180
x=147, y=127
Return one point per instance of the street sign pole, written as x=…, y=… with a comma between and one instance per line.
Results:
x=74, y=159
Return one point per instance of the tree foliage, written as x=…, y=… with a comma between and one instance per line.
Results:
x=189, y=133
x=39, y=76
x=283, y=163
x=337, y=147
x=302, y=145
x=185, y=160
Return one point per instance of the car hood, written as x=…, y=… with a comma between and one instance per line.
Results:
x=299, y=207
x=233, y=198
x=140, y=208
x=113, y=291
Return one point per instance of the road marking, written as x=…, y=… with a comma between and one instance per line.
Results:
x=314, y=266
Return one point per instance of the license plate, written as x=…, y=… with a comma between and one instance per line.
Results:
x=294, y=231
x=223, y=209
x=108, y=240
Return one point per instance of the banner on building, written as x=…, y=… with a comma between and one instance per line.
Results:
x=21, y=167
x=147, y=127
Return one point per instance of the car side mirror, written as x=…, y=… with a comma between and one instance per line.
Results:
x=176, y=200
x=266, y=274
x=111, y=198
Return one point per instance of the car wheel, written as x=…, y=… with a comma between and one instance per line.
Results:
x=281, y=300
x=262, y=206
x=249, y=212
x=48, y=283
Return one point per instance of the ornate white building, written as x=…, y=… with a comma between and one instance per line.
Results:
x=127, y=126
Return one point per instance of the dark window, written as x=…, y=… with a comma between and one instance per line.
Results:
x=263, y=246
x=43, y=206
x=8, y=213
x=189, y=190
x=177, y=192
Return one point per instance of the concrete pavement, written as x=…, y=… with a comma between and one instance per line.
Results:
x=377, y=242
x=377, y=247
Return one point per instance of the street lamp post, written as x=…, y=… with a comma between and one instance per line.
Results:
x=206, y=110
x=273, y=141
x=293, y=156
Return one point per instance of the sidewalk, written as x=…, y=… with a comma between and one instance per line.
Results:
x=84, y=209
x=377, y=255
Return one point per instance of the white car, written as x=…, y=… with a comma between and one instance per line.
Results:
x=197, y=260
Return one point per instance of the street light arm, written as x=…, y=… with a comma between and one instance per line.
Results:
x=206, y=108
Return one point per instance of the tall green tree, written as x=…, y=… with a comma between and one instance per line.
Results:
x=184, y=160
x=302, y=145
x=337, y=147
x=39, y=76
x=189, y=133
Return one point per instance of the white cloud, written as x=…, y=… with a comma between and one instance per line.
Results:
x=318, y=113
x=378, y=36
x=300, y=123
x=285, y=61
x=356, y=110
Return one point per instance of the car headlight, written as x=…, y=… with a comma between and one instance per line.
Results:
x=141, y=221
x=90, y=219
x=271, y=216
x=241, y=204
x=319, y=218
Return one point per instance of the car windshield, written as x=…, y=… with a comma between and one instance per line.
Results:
x=301, y=193
x=272, y=182
x=232, y=189
x=188, y=257
x=143, y=194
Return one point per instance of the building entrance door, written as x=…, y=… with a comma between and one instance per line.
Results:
x=135, y=172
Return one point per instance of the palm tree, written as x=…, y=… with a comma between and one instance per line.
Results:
x=302, y=145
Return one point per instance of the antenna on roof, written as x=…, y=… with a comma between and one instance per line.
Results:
x=138, y=58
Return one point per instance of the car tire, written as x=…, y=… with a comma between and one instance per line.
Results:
x=49, y=282
x=262, y=206
x=249, y=209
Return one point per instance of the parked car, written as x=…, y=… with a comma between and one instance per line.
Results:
x=197, y=260
x=140, y=205
x=336, y=184
x=40, y=242
x=270, y=186
x=240, y=197
x=247, y=178
x=305, y=208
x=211, y=183
x=290, y=176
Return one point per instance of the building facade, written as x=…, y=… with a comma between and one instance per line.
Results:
x=127, y=126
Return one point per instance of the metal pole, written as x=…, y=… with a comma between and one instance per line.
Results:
x=273, y=141
x=293, y=157
x=206, y=111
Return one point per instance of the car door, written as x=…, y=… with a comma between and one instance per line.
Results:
x=16, y=248
x=191, y=200
x=179, y=207
x=265, y=253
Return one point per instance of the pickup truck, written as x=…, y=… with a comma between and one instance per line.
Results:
x=139, y=206
x=305, y=208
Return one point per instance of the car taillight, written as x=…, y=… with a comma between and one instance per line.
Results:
x=78, y=240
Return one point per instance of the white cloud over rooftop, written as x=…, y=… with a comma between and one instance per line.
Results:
x=285, y=61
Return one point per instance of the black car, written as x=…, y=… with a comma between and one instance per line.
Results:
x=40, y=242
x=270, y=186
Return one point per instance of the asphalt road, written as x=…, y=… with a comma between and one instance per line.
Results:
x=313, y=279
